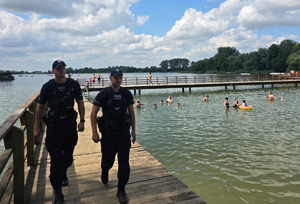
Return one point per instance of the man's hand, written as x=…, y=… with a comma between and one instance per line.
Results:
x=37, y=134
x=80, y=127
x=95, y=137
x=133, y=137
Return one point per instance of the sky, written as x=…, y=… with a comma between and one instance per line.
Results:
x=138, y=33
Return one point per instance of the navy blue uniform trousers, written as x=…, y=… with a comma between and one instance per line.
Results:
x=112, y=143
x=61, y=140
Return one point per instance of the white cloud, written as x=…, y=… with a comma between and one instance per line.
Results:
x=141, y=20
x=268, y=13
x=92, y=33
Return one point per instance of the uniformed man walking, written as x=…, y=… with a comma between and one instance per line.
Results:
x=61, y=136
x=118, y=116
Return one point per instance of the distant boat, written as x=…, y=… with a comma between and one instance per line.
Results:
x=6, y=76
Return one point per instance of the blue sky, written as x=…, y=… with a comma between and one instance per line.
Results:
x=140, y=33
x=163, y=13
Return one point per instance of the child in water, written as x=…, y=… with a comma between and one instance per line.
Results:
x=155, y=106
x=206, y=98
x=138, y=104
x=243, y=103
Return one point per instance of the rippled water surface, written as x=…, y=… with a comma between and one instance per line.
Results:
x=227, y=157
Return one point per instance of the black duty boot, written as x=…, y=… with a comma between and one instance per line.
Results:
x=121, y=194
x=104, y=176
x=59, y=197
x=65, y=181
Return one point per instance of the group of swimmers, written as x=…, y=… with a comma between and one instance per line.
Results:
x=236, y=103
x=169, y=100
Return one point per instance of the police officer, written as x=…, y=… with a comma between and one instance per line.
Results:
x=118, y=116
x=61, y=136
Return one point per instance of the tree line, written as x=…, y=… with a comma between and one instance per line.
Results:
x=277, y=58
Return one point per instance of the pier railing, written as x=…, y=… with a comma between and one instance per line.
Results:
x=163, y=80
x=17, y=134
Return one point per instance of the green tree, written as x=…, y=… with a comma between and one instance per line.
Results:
x=293, y=61
x=164, y=64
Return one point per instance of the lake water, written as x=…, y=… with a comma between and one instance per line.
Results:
x=227, y=157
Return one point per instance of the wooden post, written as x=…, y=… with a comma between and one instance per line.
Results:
x=194, y=79
x=266, y=78
x=263, y=86
x=190, y=89
x=225, y=87
x=156, y=80
x=18, y=159
x=182, y=89
x=272, y=85
x=272, y=77
x=139, y=91
x=134, y=91
x=233, y=87
x=27, y=119
x=251, y=78
x=295, y=84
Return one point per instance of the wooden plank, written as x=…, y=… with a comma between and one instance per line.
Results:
x=6, y=185
x=4, y=159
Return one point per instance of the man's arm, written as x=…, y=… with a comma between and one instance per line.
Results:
x=81, y=111
x=37, y=121
x=94, y=112
x=132, y=117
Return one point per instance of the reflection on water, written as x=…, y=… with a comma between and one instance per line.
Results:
x=229, y=157
x=233, y=156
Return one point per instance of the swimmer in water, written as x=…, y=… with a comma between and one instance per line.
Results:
x=155, y=106
x=243, y=103
x=270, y=96
x=169, y=100
x=138, y=104
x=226, y=104
x=206, y=98
x=236, y=103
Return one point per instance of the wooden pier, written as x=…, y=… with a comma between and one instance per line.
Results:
x=150, y=181
x=183, y=82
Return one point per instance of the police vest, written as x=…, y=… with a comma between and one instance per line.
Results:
x=115, y=112
x=60, y=98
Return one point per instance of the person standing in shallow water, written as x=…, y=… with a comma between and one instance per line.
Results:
x=61, y=136
x=118, y=115
x=226, y=104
